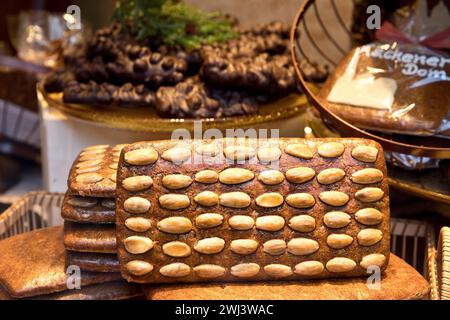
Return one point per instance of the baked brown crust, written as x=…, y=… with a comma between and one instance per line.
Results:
x=90, y=237
x=95, y=262
x=88, y=210
x=33, y=264
x=93, y=172
x=400, y=282
x=154, y=258
x=117, y=290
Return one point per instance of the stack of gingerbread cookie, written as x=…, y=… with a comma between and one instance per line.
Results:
x=89, y=210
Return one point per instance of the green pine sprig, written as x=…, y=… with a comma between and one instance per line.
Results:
x=175, y=21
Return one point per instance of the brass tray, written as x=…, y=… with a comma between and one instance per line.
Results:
x=146, y=120
x=329, y=48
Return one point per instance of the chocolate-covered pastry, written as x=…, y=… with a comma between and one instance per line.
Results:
x=57, y=80
x=263, y=73
x=152, y=69
x=273, y=28
x=108, y=94
x=193, y=99
x=313, y=72
x=33, y=264
x=251, y=210
x=246, y=45
x=82, y=237
x=88, y=209
x=92, y=261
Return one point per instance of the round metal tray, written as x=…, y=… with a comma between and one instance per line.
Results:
x=146, y=120
x=310, y=16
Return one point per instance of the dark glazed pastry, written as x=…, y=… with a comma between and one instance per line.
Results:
x=92, y=261
x=193, y=99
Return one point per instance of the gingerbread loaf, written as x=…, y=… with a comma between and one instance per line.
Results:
x=248, y=210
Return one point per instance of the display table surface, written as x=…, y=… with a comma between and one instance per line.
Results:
x=400, y=282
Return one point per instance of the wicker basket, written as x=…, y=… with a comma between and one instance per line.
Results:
x=443, y=262
x=413, y=241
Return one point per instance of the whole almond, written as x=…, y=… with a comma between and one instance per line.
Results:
x=369, y=194
x=300, y=200
x=140, y=157
x=239, y=152
x=339, y=241
x=139, y=267
x=235, y=176
x=138, y=244
x=137, y=183
x=235, y=199
x=309, y=268
x=96, y=147
x=174, y=201
x=175, y=270
x=113, y=177
x=330, y=149
x=269, y=200
x=177, y=155
x=87, y=169
x=367, y=176
x=269, y=154
x=208, y=220
x=369, y=216
x=271, y=177
x=136, y=205
x=114, y=165
x=207, y=198
x=175, y=225
x=89, y=163
x=365, y=153
x=241, y=222
x=302, y=223
x=176, y=249
x=300, y=174
x=94, y=152
x=302, y=246
x=274, y=247
x=176, y=181
x=330, y=176
x=336, y=219
x=210, y=245
x=340, y=264
x=374, y=259
x=278, y=270
x=207, y=149
x=243, y=246
x=119, y=147
x=87, y=157
x=299, y=150
x=138, y=224
x=369, y=237
x=270, y=223
x=88, y=178
x=334, y=198
x=207, y=176
x=209, y=271
x=245, y=270
x=82, y=202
